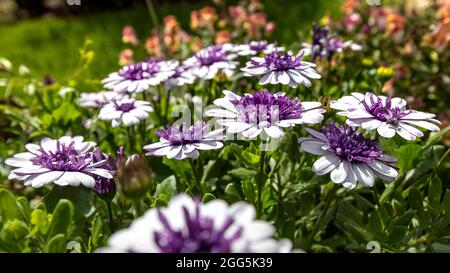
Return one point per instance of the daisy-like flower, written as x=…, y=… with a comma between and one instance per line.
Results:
x=256, y=47
x=324, y=46
x=188, y=226
x=127, y=111
x=206, y=63
x=281, y=67
x=138, y=77
x=99, y=99
x=348, y=155
x=64, y=161
x=181, y=141
x=262, y=111
x=182, y=76
x=386, y=115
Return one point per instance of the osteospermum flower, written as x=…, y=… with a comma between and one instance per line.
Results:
x=349, y=156
x=206, y=63
x=387, y=115
x=138, y=77
x=99, y=99
x=262, y=111
x=182, y=76
x=281, y=67
x=127, y=111
x=181, y=141
x=256, y=47
x=64, y=161
x=188, y=226
x=105, y=187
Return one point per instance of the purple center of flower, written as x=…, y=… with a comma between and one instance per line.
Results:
x=350, y=145
x=263, y=106
x=386, y=112
x=278, y=62
x=199, y=236
x=65, y=158
x=258, y=46
x=125, y=107
x=322, y=44
x=211, y=55
x=139, y=71
x=182, y=134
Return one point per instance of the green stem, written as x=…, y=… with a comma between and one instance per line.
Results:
x=138, y=207
x=110, y=215
x=154, y=17
x=131, y=138
x=260, y=183
x=309, y=240
x=196, y=178
x=166, y=111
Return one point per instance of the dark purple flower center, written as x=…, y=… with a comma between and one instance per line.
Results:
x=182, y=134
x=258, y=46
x=347, y=143
x=125, y=107
x=65, y=158
x=386, y=112
x=323, y=44
x=199, y=236
x=278, y=62
x=263, y=106
x=139, y=71
x=211, y=55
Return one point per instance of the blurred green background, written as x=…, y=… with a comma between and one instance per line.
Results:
x=50, y=45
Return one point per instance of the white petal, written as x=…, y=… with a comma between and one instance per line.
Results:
x=371, y=124
x=364, y=174
x=382, y=168
x=339, y=174
x=386, y=130
x=46, y=178
x=274, y=131
x=314, y=147
x=350, y=180
x=325, y=164
x=208, y=145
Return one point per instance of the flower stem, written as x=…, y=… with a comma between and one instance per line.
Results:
x=197, y=179
x=131, y=138
x=110, y=215
x=166, y=111
x=260, y=183
x=309, y=240
x=138, y=207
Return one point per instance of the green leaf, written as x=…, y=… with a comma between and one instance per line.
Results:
x=80, y=197
x=435, y=192
x=181, y=168
x=8, y=206
x=446, y=203
x=397, y=234
x=57, y=244
x=249, y=190
x=14, y=231
x=242, y=173
x=167, y=188
x=208, y=197
x=407, y=154
x=62, y=218
x=39, y=222
x=233, y=193
x=24, y=207
x=97, y=231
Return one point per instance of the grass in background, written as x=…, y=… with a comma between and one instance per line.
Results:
x=50, y=46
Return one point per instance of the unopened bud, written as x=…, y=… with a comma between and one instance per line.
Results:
x=134, y=177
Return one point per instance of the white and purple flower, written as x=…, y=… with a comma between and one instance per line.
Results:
x=182, y=76
x=188, y=226
x=262, y=111
x=64, y=161
x=181, y=141
x=389, y=116
x=127, y=111
x=140, y=76
x=100, y=99
x=255, y=48
x=206, y=63
x=324, y=46
x=349, y=156
x=281, y=67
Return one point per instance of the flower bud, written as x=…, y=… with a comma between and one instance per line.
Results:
x=134, y=177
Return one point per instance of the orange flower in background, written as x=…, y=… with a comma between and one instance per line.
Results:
x=255, y=5
x=126, y=57
x=255, y=23
x=170, y=24
x=153, y=46
x=223, y=37
x=129, y=35
x=349, y=6
x=439, y=38
x=238, y=15
x=203, y=18
x=394, y=22
x=196, y=44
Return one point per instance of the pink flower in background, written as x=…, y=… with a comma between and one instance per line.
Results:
x=126, y=57
x=129, y=35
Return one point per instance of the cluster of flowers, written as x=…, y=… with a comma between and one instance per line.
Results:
x=344, y=152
